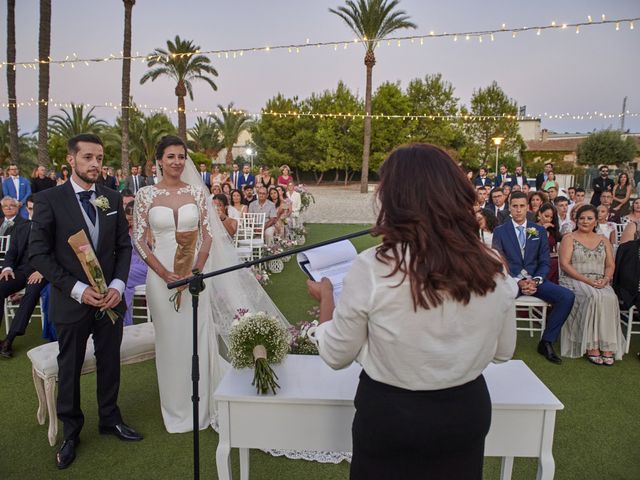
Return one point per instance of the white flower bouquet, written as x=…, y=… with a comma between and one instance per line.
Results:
x=258, y=340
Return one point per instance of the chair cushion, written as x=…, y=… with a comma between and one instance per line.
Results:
x=137, y=341
x=526, y=300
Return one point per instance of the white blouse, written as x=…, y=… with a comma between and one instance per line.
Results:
x=376, y=325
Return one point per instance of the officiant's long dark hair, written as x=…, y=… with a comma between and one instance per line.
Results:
x=429, y=230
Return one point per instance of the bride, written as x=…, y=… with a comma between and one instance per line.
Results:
x=175, y=232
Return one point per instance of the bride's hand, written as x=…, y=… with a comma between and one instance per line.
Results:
x=169, y=277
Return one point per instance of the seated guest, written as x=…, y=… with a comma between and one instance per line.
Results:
x=498, y=200
x=528, y=258
x=507, y=191
x=296, y=202
x=230, y=224
x=11, y=220
x=572, y=195
x=482, y=180
x=587, y=262
x=483, y=197
x=282, y=210
x=535, y=200
x=264, y=205
x=552, y=193
x=486, y=223
x=226, y=189
x=526, y=188
x=137, y=269
x=562, y=207
x=423, y=326
x=632, y=230
x=547, y=218
x=606, y=199
x=627, y=273
x=247, y=195
x=17, y=274
x=127, y=197
x=265, y=179
x=40, y=180
x=236, y=207
x=604, y=227
x=216, y=189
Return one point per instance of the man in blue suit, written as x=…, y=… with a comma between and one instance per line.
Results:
x=17, y=187
x=525, y=247
x=246, y=178
x=205, y=175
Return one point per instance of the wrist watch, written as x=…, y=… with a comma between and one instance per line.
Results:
x=538, y=280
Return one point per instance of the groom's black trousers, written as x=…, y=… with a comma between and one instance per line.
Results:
x=72, y=339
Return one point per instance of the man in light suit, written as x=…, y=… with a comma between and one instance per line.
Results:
x=17, y=187
x=135, y=181
x=205, y=175
x=234, y=176
x=524, y=246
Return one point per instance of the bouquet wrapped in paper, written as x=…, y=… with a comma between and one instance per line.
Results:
x=258, y=340
x=91, y=266
x=183, y=260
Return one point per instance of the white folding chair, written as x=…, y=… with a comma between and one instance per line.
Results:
x=140, y=307
x=4, y=246
x=619, y=230
x=626, y=317
x=249, y=239
x=10, y=309
x=531, y=309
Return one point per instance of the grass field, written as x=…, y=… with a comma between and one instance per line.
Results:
x=597, y=434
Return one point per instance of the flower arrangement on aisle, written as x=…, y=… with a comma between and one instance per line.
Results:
x=306, y=197
x=261, y=276
x=258, y=340
x=301, y=343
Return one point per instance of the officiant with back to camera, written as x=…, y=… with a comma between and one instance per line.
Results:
x=424, y=313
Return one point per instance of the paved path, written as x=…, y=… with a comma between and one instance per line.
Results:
x=340, y=204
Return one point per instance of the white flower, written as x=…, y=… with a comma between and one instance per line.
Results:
x=102, y=203
x=532, y=232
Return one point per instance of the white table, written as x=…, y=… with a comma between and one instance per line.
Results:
x=313, y=410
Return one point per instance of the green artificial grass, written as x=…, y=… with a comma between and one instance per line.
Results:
x=596, y=436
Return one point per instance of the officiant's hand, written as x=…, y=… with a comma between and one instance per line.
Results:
x=90, y=296
x=319, y=289
x=111, y=299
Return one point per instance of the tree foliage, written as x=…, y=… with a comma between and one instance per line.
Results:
x=231, y=123
x=607, y=147
x=493, y=101
x=75, y=121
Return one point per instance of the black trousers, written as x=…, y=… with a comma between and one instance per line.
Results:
x=72, y=339
x=403, y=434
x=27, y=304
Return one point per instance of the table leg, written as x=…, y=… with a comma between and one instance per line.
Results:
x=244, y=463
x=506, y=468
x=546, y=464
x=223, y=459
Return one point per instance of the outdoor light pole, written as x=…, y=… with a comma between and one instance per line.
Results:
x=497, y=141
x=250, y=153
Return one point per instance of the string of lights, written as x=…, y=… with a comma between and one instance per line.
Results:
x=352, y=115
x=480, y=35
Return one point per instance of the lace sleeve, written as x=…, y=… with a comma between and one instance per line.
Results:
x=141, y=222
x=202, y=197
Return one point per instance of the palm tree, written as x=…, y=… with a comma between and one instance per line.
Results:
x=205, y=137
x=11, y=80
x=75, y=122
x=146, y=134
x=371, y=20
x=231, y=125
x=182, y=63
x=44, y=48
x=126, y=82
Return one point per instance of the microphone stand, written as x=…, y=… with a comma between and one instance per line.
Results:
x=196, y=285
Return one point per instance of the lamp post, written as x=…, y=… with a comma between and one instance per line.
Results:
x=497, y=141
x=249, y=151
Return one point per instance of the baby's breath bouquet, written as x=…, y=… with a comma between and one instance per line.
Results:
x=258, y=340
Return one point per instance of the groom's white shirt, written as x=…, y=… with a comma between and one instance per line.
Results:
x=79, y=288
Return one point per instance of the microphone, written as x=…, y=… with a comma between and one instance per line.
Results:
x=202, y=276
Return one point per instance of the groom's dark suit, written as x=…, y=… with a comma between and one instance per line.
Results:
x=535, y=262
x=57, y=216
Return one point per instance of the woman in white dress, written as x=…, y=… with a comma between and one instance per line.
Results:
x=170, y=217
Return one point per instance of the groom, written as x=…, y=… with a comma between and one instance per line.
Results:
x=77, y=308
x=525, y=246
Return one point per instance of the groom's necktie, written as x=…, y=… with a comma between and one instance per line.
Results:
x=521, y=237
x=85, y=201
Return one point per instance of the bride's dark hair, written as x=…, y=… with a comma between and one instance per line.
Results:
x=168, y=141
x=429, y=230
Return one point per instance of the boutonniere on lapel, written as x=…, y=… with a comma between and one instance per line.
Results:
x=532, y=232
x=102, y=203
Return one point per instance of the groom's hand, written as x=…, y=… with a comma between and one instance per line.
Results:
x=91, y=297
x=111, y=300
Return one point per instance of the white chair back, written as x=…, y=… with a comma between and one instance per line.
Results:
x=4, y=246
x=249, y=238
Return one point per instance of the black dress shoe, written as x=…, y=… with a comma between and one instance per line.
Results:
x=5, y=349
x=122, y=431
x=67, y=453
x=546, y=350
